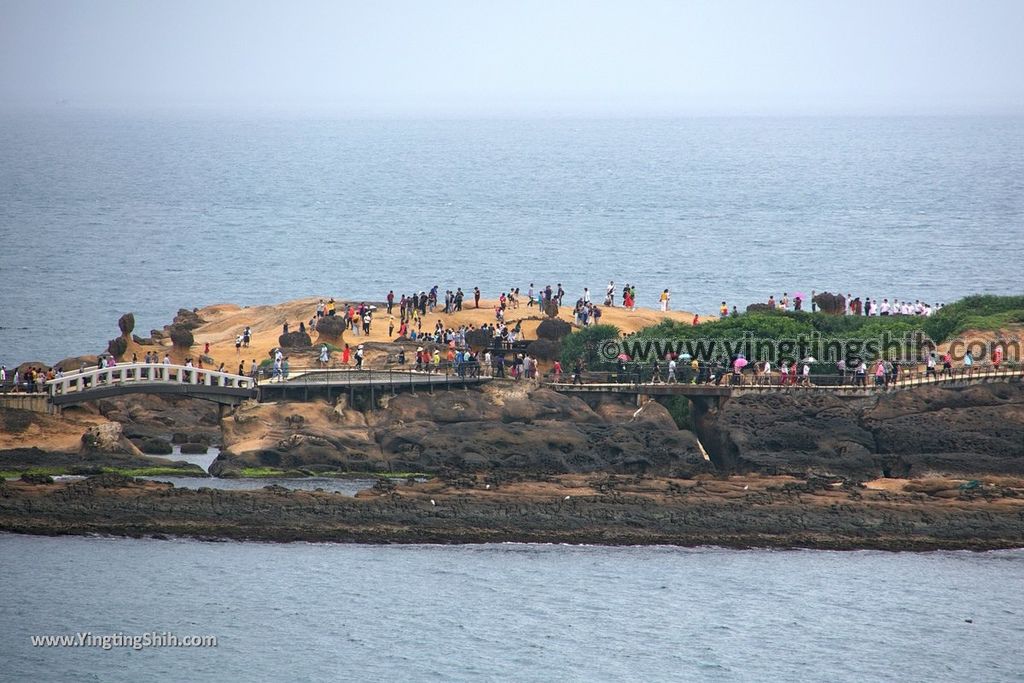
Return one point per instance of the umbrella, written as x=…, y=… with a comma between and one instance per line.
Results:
x=741, y=362
x=623, y=357
x=685, y=356
x=810, y=359
x=800, y=295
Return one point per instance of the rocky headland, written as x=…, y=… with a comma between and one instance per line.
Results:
x=936, y=467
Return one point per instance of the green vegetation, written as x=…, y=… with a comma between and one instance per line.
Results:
x=978, y=312
x=586, y=344
x=861, y=336
x=785, y=325
x=679, y=408
x=262, y=472
x=46, y=471
x=158, y=471
x=273, y=472
x=63, y=470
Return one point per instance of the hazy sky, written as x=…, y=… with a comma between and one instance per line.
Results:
x=507, y=57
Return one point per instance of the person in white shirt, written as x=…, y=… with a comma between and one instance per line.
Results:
x=671, y=379
x=884, y=308
x=609, y=298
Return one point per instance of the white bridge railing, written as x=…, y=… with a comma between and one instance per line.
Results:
x=145, y=373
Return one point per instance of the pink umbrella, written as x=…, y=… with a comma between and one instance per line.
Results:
x=800, y=295
x=740, y=363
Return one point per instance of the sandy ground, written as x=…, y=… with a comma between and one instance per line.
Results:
x=226, y=321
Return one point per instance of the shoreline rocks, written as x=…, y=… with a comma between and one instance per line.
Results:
x=775, y=512
x=945, y=430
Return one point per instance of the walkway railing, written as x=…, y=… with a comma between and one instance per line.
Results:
x=139, y=373
x=393, y=378
x=907, y=378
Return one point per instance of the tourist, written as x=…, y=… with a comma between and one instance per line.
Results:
x=391, y=300
x=577, y=371
x=476, y=296
x=814, y=304
x=238, y=345
x=359, y=357
x=556, y=371
x=696, y=320
x=968, y=363
x=278, y=357
x=664, y=299
x=880, y=373
x=671, y=378
x=609, y=296
x=784, y=302
x=861, y=374
x=723, y=311
x=325, y=356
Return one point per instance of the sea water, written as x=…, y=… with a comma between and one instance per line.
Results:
x=323, y=612
x=102, y=213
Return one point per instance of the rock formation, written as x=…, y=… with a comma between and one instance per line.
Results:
x=294, y=340
x=331, y=329
x=181, y=336
x=126, y=323
x=553, y=329
x=117, y=347
x=833, y=304
x=947, y=430
x=518, y=428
